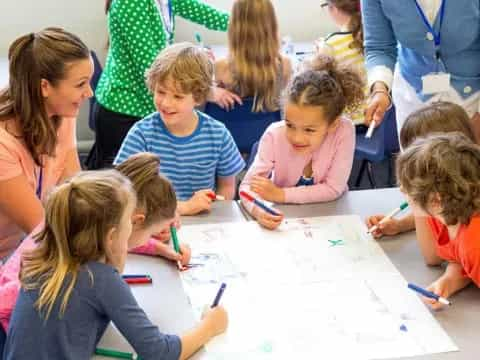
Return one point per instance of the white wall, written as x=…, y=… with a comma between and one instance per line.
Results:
x=303, y=20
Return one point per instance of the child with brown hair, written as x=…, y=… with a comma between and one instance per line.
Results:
x=440, y=176
x=197, y=153
x=254, y=66
x=71, y=283
x=49, y=78
x=308, y=157
x=439, y=117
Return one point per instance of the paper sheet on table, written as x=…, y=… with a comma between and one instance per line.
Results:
x=315, y=287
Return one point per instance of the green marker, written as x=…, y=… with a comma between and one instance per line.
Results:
x=388, y=217
x=198, y=37
x=173, y=233
x=176, y=244
x=116, y=354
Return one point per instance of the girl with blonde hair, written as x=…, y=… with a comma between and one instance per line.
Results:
x=254, y=66
x=155, y=212
x=71, y=283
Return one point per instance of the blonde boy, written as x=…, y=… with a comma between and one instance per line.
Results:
x=197, y=153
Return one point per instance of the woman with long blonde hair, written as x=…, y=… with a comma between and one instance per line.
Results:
x=254, y=66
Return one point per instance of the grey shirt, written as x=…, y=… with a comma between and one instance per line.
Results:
x=99, y=296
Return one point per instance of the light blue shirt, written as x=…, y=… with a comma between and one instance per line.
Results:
x=394, y=31
x=192, y=162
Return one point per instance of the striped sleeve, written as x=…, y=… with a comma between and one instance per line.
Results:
x=133, y=143
x=230, y=162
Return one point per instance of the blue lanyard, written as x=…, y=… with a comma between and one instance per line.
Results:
x=168, y=24
x=39, y=184
x=436, y=36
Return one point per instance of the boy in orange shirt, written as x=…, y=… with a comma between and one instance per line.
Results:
x=440, y=176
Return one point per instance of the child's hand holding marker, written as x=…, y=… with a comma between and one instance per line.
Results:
x=200, y=201
x=435, y=295
x=379, y=222
x=215, y=316
x=215, y=197
x=267, y=220
x=452, y=280
x=390, y=226
x=165, y=250
x=266, y=216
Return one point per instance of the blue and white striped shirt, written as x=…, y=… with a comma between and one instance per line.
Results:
x=192, y=162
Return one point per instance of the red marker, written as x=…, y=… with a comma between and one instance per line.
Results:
x=144, y=280
x=214, y=197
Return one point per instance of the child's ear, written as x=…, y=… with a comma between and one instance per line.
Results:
x=109, y=240
x=138, y=219
x=436, y=199
x=435, y=205
x=45, y=87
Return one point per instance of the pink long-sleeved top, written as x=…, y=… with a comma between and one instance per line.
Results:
x=331, y=164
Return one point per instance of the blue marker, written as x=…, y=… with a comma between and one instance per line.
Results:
x=219, y=295
x=428, y=294
x=259, y=203
x=134, y=276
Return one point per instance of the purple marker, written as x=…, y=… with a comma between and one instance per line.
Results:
x=219, y=295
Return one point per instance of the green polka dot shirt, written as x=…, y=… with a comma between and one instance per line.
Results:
x=137, y=34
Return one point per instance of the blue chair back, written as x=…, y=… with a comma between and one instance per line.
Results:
x=251, y=156
x=3, y=338
x=245, y=126
x=383, y=142
x=97, y=72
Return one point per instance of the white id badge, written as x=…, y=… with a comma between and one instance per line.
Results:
x=435, y=83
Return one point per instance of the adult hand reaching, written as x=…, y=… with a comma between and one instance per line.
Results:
x=377, y=104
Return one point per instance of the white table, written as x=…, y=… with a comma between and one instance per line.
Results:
x=167, y=305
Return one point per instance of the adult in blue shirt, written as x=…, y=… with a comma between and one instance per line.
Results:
x=422, y=51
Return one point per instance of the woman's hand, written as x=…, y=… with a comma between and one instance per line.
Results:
x=377, y=104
